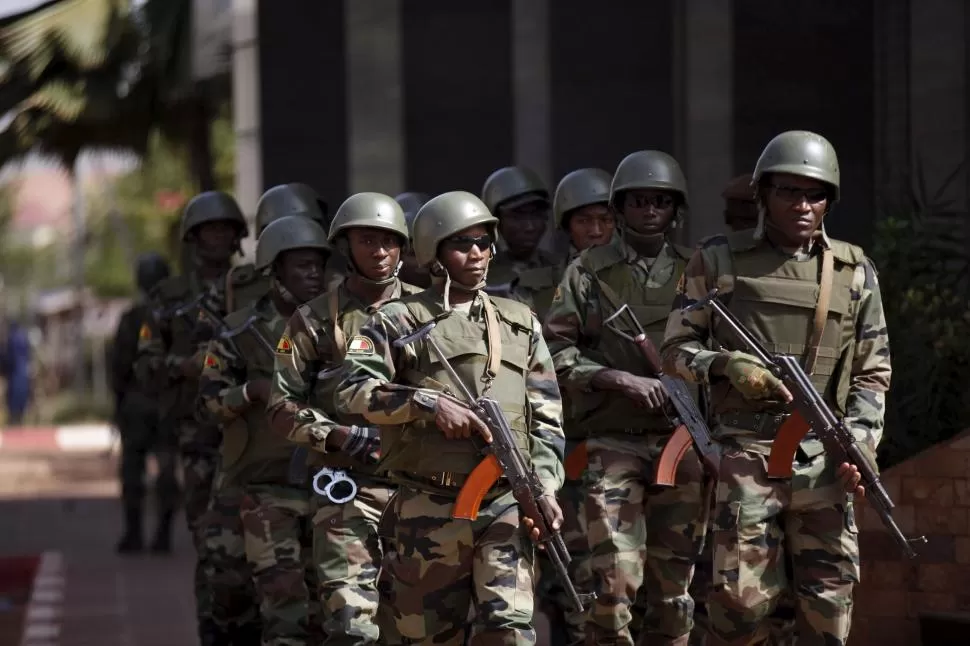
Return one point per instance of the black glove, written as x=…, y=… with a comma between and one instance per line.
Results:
x=363, y=443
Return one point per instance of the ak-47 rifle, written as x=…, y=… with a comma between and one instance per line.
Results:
x=502, y=457
x=811, y=413
x=690, y=425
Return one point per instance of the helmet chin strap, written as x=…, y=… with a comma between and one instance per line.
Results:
x=352, y=266
x=440, y=275
x=284, y=293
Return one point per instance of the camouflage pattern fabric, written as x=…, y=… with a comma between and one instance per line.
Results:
x=198, y=475
x=435, y=568
x=277, y=539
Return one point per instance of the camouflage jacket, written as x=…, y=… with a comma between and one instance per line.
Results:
x=301, y=406
x=536, y=287
x=689, y=336
x=378, y=380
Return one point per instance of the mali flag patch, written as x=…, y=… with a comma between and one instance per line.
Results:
x=285, y=346
x=211, y=362
x=360, y=345
x=145, y=333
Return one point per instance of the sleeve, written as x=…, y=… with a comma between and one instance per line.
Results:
x=871, y=367
x=370, y=368
x=294, y=374
x=545, y=404
x=124, y=351
x=221, y=385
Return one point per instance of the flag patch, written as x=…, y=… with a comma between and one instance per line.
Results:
x=285, y=346
x=360, y=345
x=145, y=333
x=212, y=362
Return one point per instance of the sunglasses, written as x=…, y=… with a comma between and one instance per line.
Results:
x=464, y=244
x=794, y=194
x=644, y=201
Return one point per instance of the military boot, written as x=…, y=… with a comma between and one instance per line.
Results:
x=162, y=542
x=131, y=541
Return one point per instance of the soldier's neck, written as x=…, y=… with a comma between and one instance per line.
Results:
x=786, y=245
x=282, y=305
x=457, y=295
x=369, y=293
x=645, y=245
x=212, y=271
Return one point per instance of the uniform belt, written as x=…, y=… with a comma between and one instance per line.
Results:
x=450, y=479
x=765, y=424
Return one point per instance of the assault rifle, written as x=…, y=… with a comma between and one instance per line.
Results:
x=811, y=413
x=502, y=457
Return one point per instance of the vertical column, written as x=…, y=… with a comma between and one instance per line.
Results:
x=375, y=146
x=703, y=94
x=245, y=110
x=530, y=85
x=891, y=117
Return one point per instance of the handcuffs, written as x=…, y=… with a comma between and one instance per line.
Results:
x=335, y=485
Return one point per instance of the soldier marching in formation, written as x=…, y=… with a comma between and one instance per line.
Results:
x=391, y=432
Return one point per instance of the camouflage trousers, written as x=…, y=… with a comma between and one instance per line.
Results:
x=278, y=543
x=235, y=611
x=760, y=523
x=347, y=556
x=640, y=534
x=436, y=570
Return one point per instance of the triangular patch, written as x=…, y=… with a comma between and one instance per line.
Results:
x=285, y=346
x=145, y=333
x=360, y=345
x=212, y=362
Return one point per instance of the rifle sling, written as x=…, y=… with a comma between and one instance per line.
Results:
x=821, y=310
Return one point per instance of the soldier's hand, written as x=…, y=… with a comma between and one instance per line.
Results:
x=645, y=392
x=753, y=380
x=191, y=367
x=851, y=479
x=458, y=422
x=258, y=390
x=551, y=511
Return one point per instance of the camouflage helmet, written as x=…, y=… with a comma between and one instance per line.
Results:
x=370, y=210
x=410, y=202
x=799, y=152
x=288, y=233
x=578, y=189
x=444, y=216
x=513, y=186
x=150, y=269
x=648, y=169
x=212, y=206
x=290, y=199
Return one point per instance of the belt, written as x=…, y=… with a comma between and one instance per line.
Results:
x=450, y=479
x=765, y=423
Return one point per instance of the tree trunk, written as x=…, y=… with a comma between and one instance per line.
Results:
x=200, y=145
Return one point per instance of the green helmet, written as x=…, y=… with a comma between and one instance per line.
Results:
x=513, y=186
x=648, y=169
x=410, y=203
x=212, y=206
x=803, y=153
x=290, y=199
x=444, y=216
x=288, y=233
x=578, y=189
x=370, y=210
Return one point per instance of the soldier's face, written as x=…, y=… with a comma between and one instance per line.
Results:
x=740, y=214
x=523, y=226
x=649, y=211
x=375, y=252
x=466, y=254
x=591, y=225
x=795, y=206
x=301, y=272
x=215, y=241
x=411, y=273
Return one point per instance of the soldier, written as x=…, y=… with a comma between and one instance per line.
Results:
x=244, y=284
x=637, y=535
x=170, y=360
x=371, y=230
x=410, y=272
x=138, y=421
x=805, y=294
x=520, y=201
x=235, y=384
x=740, y=208
x=438, y=569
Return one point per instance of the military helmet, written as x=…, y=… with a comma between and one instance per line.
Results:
x=288, y=233
x=150, y=269
x=513, y=186
x=799, y=152
x=410, y=202
x=648, y=169
x=740, y=189
x=370, y=210
x=578, y=189
x=444, y=216
x=212, y=206
x=290, y=199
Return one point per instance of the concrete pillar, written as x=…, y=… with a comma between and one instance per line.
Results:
x=530, y=87
x=245, y=110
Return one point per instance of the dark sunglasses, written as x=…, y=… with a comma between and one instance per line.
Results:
x=464, y=244
x=657, y=201
x=794, y=194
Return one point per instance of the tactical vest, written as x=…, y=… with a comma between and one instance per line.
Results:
x=421, y=448
x=251, y=452
x=178, y=400
x=775, y=297
x=503, y=269
x=605, y=411
x=539, y=286
x=244, y=286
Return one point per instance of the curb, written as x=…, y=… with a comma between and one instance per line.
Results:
x=55, y=439
x=42, y=624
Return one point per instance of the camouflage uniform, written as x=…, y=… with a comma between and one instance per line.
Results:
x=773, y=291
x=638, y=534
x=346, y=547
x=437, y=567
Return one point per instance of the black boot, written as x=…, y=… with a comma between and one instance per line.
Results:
x=132, y=540
x=162, y=543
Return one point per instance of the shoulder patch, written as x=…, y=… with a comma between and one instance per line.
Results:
x=285, y=346
x=145, y=333
x=360, y=345
x=211, y=362
x=243, y=274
